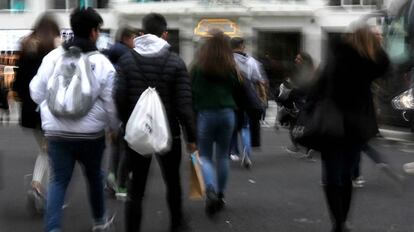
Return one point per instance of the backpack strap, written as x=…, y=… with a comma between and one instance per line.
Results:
x=136, y=55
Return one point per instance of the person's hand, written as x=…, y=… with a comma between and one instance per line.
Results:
x=191, y=147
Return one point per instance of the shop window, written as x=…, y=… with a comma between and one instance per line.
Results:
x=332, y=40
x=69, y=4
x=359, y=2
x=94, y=3
x=157, y=0
x=64, y=4
x=277, y=51
x=354, y=2
x=15, y=5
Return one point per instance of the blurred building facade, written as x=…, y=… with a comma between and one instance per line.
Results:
x=275, y=30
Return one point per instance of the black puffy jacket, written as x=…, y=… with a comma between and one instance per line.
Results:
x=172, y=84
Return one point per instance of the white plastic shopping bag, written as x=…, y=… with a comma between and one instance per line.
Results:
x=147, y=130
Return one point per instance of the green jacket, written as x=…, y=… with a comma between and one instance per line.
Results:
x=213, y=92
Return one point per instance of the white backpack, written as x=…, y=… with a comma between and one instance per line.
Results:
x=69, y=89
x=147, y=130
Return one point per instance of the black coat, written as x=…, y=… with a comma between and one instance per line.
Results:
x=173, y=86
x=347, y=79
x=116, y=51
x=28, y=64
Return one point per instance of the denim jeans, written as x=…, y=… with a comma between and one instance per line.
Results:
x=215, y=127
x=62, y=157
x=246, y=139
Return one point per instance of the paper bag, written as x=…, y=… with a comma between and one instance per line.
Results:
x=197, y=187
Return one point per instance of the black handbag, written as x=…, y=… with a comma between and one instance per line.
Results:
x=320, y=127
x=248, y=97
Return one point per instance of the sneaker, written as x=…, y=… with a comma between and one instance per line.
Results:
x=292, y=149
x=308, y=156
x=121, y=194
x=111, y=181
x=358, y=182
x=36, y=202
x=105, y=226
x=234, y=157
x=111, y=185
x=246, y=162
x=409, y=168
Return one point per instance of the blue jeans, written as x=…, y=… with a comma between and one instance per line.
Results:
x=215, y=127
x=246, y=139
x=62, y=157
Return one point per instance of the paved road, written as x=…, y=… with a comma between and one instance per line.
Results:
x=280, y=194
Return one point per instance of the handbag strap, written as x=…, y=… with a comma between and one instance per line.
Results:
x=136, y=55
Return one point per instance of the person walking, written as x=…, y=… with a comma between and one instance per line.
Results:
x=80, y=138
x=355, y=63
x=118, y=171
x=152, y=64
x=377, y=157
x=43, y=39
x=293, y=94
x=250, y=69
x=124, y=42
x=214, y=85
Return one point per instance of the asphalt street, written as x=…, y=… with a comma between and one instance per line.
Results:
x=281, y=193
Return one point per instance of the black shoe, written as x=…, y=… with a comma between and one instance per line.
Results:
x=341, y=228
x=221, y=203
x=183, y=226
x=211, y=202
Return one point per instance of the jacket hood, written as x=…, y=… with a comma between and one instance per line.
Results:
x=241, y=57
x=150, y=45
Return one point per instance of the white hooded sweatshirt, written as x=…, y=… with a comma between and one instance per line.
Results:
x=249, y=67
x=149, y=45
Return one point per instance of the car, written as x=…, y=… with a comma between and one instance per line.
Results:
x=393, y=95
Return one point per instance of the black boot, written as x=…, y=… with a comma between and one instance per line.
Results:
x=211, y=202
x=221, y=202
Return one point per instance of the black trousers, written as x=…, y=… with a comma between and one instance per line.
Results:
x=255, y=129
x=337, y=168
x=372, y=153
x=119, y=165
x=170, y=168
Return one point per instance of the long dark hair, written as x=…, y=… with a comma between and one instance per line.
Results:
x=364, y=41
x=43, y=37
x=215, y=56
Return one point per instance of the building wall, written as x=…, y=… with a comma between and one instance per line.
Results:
x=310, y=17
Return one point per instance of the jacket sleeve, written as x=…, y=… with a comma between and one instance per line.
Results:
x=38, y=85
x=257, y=74
x=120, y=93
x=109, y=104
x=183, y=102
